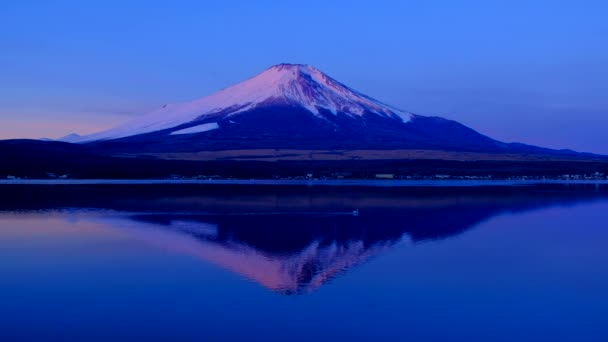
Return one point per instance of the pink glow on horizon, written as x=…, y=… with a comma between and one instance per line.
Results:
x=54, y=125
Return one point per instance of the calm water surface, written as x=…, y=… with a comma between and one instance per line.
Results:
x=276, y=263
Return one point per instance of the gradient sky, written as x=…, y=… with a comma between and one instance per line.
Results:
x=527, y=71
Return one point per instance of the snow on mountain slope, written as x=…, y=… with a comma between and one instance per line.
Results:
x=283, y=84
x=198, y=129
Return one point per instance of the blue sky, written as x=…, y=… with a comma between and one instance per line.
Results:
x=528, y=71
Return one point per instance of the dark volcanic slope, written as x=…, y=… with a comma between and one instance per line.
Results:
x=294, y=128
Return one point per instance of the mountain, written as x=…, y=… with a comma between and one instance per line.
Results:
x=289, y=121
x=293, y=106
x=290, y=87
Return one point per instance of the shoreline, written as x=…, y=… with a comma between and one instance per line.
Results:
x=374, y=183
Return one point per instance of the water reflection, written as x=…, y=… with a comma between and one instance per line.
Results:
x=291, y=240
x=304, y=263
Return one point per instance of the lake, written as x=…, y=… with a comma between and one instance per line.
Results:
x=262, y=262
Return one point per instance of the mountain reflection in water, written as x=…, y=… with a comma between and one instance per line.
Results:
x=291, y=240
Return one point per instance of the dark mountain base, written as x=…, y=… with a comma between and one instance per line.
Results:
x=34, y=159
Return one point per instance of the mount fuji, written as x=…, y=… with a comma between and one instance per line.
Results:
x=289, y=121
x=293, y=106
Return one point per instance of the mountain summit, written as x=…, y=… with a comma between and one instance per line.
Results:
x=293, y=106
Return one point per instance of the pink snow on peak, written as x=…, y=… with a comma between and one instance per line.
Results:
x=306, y=85
x=282, y=84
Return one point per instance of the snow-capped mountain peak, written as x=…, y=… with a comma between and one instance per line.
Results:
x=308, y=86
x=283, y=84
